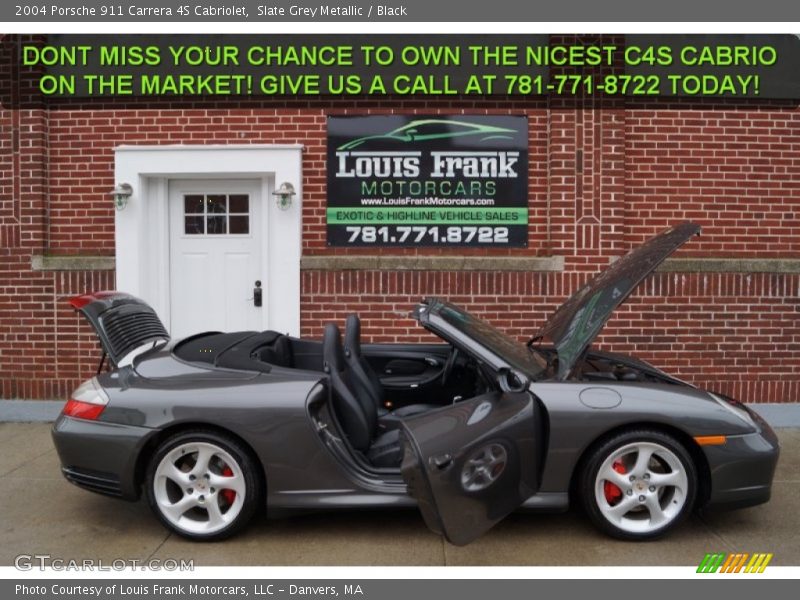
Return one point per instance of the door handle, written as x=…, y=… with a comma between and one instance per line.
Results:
x=257, y=294
x=441, y=462
x=431, y=361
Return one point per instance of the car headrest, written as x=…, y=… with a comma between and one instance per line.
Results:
x=332, y=353
x=352, y=335
x=283, y=348
x=279, y=353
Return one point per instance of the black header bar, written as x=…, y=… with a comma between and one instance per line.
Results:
x=464, y=11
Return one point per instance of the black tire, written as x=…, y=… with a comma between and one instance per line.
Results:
x=244, y=467
x=588, y=486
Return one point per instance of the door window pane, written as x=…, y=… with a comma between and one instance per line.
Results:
x=239, y=224
x=216, y=225
x=193, y=204
x=216, y=203
x=193, y=225
x=216, y=214
x=238, y=203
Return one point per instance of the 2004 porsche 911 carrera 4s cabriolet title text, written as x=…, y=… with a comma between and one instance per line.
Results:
x=214, y=427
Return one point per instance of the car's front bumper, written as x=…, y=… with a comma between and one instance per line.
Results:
x=743, y=467
x=100, y=456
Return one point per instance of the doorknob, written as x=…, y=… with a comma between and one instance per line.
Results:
x=442, y=462
x=257, y=294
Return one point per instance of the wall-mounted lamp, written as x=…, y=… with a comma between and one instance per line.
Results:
x=284, y=195
x=121, y=193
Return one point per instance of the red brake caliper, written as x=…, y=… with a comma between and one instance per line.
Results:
x=230, y=495
x=612, y=492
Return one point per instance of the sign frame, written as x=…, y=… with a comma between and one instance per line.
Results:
x=425, y=181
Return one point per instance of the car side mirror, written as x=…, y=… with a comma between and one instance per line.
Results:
x=410, y=133
x=512, y=380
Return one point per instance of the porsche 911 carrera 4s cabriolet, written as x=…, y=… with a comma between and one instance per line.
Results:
x=213, y=428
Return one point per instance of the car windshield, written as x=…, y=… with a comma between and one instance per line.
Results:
x=495, y=341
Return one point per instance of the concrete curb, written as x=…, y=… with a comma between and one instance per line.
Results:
x=779, y=415
x=29, y=411
x=39, y=411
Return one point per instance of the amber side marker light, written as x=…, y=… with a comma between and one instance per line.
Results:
x=710, y=440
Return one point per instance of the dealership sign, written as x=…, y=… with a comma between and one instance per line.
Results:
x=438, y=180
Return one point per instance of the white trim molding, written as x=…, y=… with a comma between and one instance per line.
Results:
x=142, y=227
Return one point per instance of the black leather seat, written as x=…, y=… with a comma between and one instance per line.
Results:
x=368, y=381
x=355, y=410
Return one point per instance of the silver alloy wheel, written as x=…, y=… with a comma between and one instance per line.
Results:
x=653, y=486
x=484, y=467
x=199, y=487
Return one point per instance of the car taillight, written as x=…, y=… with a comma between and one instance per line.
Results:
x=87, y=402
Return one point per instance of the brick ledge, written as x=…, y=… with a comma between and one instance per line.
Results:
x=46, y=262
x=731, y=265
x=534, y=264
x=432, y=263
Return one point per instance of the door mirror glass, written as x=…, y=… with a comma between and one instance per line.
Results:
x=512, y=380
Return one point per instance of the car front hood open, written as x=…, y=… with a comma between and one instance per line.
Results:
x=575, y=324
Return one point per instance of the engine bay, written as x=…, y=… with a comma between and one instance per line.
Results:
x=600, y=366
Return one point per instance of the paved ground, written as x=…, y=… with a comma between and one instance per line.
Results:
x=43, y=514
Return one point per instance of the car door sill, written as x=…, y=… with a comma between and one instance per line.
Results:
x=547, y=501
x=351, y=499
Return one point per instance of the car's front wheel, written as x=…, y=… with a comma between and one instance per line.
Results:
x=638, y=485
x=203, y=485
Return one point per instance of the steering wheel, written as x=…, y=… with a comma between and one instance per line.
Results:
x=448, y=366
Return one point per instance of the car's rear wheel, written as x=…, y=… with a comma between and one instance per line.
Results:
x=203, y=485
x=638, y=485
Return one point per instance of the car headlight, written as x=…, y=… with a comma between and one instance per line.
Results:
x=735, y=407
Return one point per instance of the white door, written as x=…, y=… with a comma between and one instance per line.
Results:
x=215, y=256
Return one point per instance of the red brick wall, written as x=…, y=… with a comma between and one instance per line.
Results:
x=602, y=178
x=736, y=333
x=736, y=170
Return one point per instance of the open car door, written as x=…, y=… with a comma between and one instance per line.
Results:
x=471, y=464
